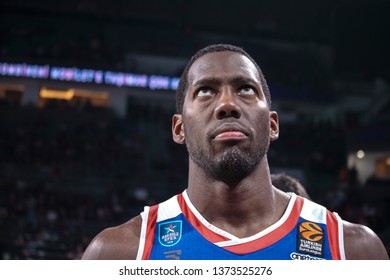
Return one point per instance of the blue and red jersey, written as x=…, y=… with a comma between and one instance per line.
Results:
x=174, y=229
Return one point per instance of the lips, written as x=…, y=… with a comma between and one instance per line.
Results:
x=229, y=132
x=229, y=135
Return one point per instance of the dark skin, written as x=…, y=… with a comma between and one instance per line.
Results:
x=225, y=113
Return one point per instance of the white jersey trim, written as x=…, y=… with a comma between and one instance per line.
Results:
x=266, y=231
x=168, y=209
x=204, y=221
x=313, y=212
x=142, y=238
x=341, y=236
x=234, y=240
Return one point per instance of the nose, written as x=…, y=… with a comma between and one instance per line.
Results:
x=227, y=105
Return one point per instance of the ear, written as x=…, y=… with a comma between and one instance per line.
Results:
x=274, y=125
x=178, y=129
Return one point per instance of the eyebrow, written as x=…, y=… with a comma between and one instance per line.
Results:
x=207, y=81
x=236, y=81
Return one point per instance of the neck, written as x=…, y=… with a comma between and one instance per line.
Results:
x=242, y=209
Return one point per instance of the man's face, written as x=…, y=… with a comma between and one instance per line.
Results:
x=226, y=123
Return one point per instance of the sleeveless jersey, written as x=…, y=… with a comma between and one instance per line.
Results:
x=174, y=229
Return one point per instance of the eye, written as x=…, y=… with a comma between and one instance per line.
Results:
x=247, y=90
x=204, y=91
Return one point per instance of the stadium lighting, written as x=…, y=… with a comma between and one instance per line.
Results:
x=360, y=154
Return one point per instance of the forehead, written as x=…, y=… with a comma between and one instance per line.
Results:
x=222, y=64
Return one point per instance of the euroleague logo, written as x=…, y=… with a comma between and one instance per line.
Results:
x=310, y=239
x=311, y=231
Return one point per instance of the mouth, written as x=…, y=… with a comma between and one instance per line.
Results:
x=229, y=133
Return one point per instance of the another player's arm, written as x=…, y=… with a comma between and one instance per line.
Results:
x=116, y=243
x=361, y=243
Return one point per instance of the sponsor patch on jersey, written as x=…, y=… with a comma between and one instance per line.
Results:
x=297, y=256
x=169, y=233
x=173, y=255
x=310, y=239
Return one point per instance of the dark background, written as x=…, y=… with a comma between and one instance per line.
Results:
x=66, y=173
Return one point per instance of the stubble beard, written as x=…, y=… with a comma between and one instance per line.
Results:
x=231, y=166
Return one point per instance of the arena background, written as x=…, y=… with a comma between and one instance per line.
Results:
x=87, y=94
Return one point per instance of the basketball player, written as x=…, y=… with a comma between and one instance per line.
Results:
x=230, y=210
x=288, y=184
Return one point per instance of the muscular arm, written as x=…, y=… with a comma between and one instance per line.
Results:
x=116, y=243
x=361, y=243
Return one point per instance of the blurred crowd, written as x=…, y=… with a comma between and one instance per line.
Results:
x=66, y=173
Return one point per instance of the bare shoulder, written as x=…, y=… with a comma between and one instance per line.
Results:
x=116, y=243
x=362, y=243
